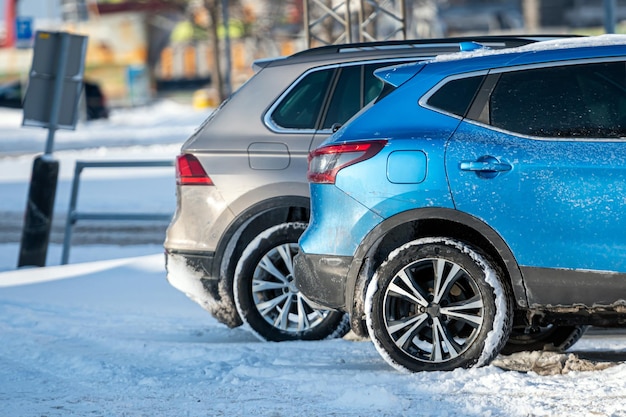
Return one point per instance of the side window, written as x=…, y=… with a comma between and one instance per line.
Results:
x=456, y=96
x=301, y=107
x=585, y=101
x=603, y=87
x=372, y=85
x=356, y=87
x=346, y=100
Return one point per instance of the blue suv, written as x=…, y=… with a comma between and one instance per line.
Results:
x=477, y=206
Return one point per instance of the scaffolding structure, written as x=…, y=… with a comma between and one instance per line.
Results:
x=329, y=22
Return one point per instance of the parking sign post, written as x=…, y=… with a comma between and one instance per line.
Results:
x=39, y=210
x=51, y=101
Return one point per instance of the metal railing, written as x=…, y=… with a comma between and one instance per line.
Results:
x=73, y=215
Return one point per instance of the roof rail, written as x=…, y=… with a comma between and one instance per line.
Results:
x=507, y=40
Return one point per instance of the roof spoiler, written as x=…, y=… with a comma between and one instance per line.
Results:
x=261, y=63
x=471, y=46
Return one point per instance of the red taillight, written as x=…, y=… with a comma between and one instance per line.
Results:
x=189, y=171
x=326, y=162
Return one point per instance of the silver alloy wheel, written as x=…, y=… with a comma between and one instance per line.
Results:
x=275, y=295
x=433, y=310
x=265, y=295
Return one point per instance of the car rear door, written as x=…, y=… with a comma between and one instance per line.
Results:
x=544, y=164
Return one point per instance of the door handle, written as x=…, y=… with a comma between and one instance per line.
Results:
x=486, y=166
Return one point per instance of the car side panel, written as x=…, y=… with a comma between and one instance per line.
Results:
x=560, y=206
x=346, y=220
x=550, y=287
x=409, y=171
x=403, y=172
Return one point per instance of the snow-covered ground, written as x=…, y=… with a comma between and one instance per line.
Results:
x=107, y=335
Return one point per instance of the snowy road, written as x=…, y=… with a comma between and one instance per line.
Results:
x=113, y=338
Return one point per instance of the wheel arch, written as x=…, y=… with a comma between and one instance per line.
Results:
x=252, y=221
x=427, y=222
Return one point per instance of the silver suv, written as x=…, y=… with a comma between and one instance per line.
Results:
x=242, y=192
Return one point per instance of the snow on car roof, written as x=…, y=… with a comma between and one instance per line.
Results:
x=547, y=45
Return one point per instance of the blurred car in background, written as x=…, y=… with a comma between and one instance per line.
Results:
x=96, y=104
x=12, y=94
x=589, y=13
x=482, y=16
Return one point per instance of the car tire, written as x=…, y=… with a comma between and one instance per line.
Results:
x=263, y=287
x=551, y=338
x=417, y=328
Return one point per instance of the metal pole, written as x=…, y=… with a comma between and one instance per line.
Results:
x=58, y=89
x=609, y=16
x=403, y=13
x=73, y=214
x=69, y=223
x=348, y=22
x=39, y=210
x=307, y=27
x=226, y=18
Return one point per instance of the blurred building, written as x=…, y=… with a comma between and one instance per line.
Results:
x=140, y=48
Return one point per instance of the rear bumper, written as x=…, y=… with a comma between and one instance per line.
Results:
x=322, y=279
x=188, y=273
